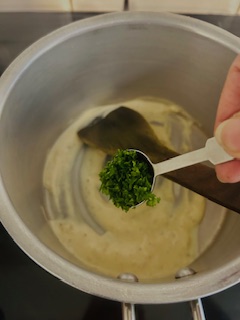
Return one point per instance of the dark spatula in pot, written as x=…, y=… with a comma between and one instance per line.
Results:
x=124, y=128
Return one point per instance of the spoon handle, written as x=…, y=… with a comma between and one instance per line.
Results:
x=212, y=152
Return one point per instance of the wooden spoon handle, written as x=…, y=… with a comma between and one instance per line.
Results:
x=202, y=180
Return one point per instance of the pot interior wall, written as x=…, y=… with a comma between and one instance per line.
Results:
x=98, y=66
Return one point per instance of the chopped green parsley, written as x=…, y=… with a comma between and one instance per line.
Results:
x=127, y=180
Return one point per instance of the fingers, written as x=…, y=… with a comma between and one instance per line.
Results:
x=228, y=135
x=228, y=172
x=229, y=102
x=227, y=125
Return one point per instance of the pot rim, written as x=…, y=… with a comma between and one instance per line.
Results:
x=184, y=289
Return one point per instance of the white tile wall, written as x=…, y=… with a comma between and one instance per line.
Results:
x=187, y=6
x=97, y=5
x=35, y=5
x=178, y=6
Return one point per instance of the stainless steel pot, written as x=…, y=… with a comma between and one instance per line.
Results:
x=96, y=61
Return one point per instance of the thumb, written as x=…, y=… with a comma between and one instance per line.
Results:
x=228, y=135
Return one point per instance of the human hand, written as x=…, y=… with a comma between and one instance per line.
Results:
x=227, y=124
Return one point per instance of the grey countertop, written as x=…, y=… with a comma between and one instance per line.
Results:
x=27, y=292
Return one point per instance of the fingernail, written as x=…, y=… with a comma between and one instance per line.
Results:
x=218, y=132
x=228, y=135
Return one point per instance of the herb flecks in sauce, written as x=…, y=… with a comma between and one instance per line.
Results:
x=126, y=179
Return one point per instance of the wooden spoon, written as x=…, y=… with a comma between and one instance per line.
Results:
x=124, y=128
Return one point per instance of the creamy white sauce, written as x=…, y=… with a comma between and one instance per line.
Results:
x=150, y=242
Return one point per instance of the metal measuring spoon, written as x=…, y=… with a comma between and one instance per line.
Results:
x=212, y=152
